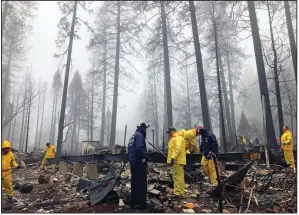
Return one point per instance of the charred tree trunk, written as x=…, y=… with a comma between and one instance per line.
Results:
x=23, y=119
x=42, y=120
x=276, y=78
x=4, y=15
x=88, y=117
x=116, y=77
x=104, y=93
x=200, y=72
x=290, y=104
x=166, y=67
x=65, y=85
x=14, y=124
x=231, y=95
x=188, y=100
x=78, y=143
x=230, y=137
x=37, y=118
x=108, y=126
x=291, y=37
x=223, y=141
x=271, y=140
x=156, y=112
x=92, y=100
x=52, y=120
x=55, y=117
x=6, y=80
x=75, y=124
x=28, y=122
x=13, y=104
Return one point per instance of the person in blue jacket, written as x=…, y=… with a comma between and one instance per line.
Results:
x=208, y=147
x=137, y=153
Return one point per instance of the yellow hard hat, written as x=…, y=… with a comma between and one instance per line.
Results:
x=6, y=144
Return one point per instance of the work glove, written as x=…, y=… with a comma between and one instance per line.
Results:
x=213, y=154
x=207, y=156
x=171, y=161
x=143, y=160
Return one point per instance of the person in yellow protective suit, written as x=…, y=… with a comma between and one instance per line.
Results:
x=287, y=146
x=208, y=146
x=8, y=162
x=190, y=140
x=50, y=153
x=177, y=158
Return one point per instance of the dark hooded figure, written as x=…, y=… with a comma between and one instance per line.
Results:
x=138, y=162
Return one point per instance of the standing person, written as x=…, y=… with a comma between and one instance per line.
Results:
x=137, y=153
x=8, y=162
x=50, y=153
x=208, y=146
x=287, y=146
x=177, y=159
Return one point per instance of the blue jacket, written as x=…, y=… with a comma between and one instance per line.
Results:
x=137, y=147
x=208, y=144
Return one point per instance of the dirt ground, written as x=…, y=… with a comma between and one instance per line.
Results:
x=60, y=195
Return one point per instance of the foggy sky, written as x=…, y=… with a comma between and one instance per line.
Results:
x=42, y=42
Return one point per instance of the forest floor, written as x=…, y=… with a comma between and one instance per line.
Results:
x=261, y=191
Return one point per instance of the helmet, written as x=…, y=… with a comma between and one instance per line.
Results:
x=141, y=123
x=199, y=127
x=6, y=144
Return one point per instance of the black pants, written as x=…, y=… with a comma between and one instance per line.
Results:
x=138, y=184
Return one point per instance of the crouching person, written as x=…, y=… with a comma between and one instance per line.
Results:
x=208, y=146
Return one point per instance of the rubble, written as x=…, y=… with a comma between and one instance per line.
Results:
x=259, y=191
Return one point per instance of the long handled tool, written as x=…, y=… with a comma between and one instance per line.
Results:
x=166, y=157
x=220, y=207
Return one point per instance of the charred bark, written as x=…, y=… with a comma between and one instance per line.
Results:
x=231, y=95
x=230, y=137
x=14, y=124
x=42, y=120
x=116, y=77
x=65, y=85
x=92, y=100
x=276, y=78
x=200, y=72
x=156, y=113
x=291, y=37
x=271, y=140
x=223, y=141
x=166, y=67
x=104, y=93
x=37, y=118
x=28, y=122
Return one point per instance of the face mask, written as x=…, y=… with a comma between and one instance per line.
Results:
x=5, y=150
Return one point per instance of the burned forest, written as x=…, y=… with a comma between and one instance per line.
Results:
x=149, y=107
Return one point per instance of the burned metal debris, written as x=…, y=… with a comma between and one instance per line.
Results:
x=251, y=188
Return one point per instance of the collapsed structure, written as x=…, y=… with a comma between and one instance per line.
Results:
x=95, y=181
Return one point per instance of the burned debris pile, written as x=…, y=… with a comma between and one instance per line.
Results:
x=104, y=186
